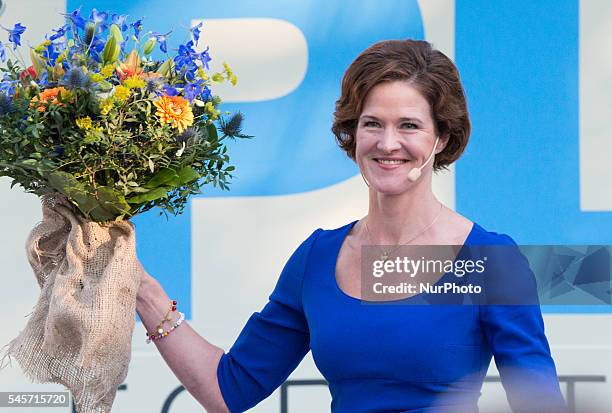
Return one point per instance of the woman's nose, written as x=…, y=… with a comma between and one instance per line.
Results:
x=389, y=141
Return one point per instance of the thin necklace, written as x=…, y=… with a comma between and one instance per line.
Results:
x=384, y=256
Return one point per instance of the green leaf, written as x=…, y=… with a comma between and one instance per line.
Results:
x=66, y=184
x=212, y=132
x=112, y=201
x=99, y=214
x=149, y=196
x=165, y=176
x=187, y=175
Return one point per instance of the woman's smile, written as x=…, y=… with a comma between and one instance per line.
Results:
x=390, y=163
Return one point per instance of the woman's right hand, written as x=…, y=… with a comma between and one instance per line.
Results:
x=191, y=358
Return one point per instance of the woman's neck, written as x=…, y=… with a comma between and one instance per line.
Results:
x=392, y=219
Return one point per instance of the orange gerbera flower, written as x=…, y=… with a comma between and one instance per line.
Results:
x=47, y=95
x=174, y=110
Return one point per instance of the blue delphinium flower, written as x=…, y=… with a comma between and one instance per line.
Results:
x=193, y=90
x=188, y=60
x=185, y=55
x=98, y=17
x=137, y=26
x=195, y=31
x=43, y=79
x=162, y=40
x=7, y=85
x=206, y=94
x=51, y=53
x=59, y=33
x=15, y=34
x=6, y=104
x=2, y=52
x=76, y=19
x=205, y=58
x=170, y=91
x=57, y=46
x=119, y=20
x=96, y=47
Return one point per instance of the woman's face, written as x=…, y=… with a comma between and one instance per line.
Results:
x=395, y=133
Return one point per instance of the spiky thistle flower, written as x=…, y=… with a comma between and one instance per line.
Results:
x=190, y=136
x=76, y=79
x=153, y=85
x=6, y=104
x=232, y=127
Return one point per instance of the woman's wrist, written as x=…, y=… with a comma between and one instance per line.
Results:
x=150, y=295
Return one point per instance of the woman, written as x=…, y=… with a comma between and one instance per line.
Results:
x=401, y=106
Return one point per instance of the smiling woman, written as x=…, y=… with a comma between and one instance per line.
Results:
x=435, y=103
x=401, y=106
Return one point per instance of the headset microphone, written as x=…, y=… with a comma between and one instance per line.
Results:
x=415, y=173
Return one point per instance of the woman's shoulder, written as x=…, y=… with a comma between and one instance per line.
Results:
x=485, y=236
x=332, y=231
x=325, y=234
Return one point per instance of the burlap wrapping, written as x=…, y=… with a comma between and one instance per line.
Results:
x=80, y=332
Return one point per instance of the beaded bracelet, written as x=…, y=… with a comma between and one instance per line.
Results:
x=159, y=330
x=153, y=337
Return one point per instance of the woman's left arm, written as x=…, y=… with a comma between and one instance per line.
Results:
x=514, y=329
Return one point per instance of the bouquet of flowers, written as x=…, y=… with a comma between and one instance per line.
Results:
x=102, y=131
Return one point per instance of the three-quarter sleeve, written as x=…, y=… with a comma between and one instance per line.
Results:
x=273, y=341
x=514, y=330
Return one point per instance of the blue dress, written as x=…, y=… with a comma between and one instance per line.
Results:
x=387, y=358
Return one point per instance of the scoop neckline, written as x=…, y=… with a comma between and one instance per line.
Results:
x=347, y=229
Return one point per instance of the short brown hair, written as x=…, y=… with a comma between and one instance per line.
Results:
x=427, y=69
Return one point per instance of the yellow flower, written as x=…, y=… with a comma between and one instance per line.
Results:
x=218, y=77
x=84, y=123
x=106, y=105
x=230, y=74
x=134, y=82
x=212, y=112
x=96, y=77
x=43, y=46
x=203, y=75
x=174, y=110
x=122, y=93
x=107, y=71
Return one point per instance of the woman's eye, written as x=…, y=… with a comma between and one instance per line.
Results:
x=371, y=124
x=409, y=125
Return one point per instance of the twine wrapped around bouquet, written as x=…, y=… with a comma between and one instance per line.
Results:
x=80, y=332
